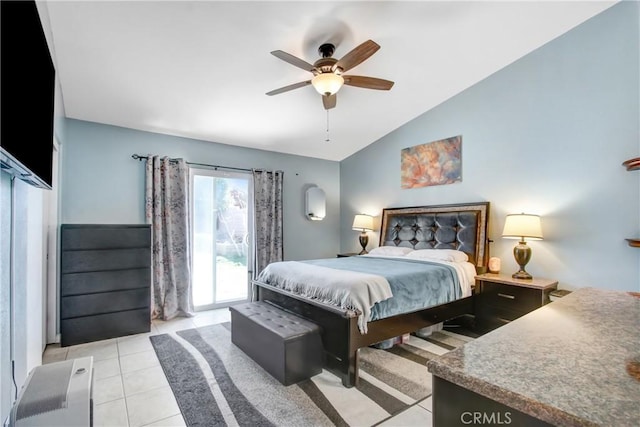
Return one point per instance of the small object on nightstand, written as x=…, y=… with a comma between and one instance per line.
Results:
x=494, y=265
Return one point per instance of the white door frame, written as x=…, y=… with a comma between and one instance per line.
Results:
x=250, y=220
x=52, y=262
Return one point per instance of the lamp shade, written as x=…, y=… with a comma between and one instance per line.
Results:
x=363, y=223
x=522, y=225
x=327, y=83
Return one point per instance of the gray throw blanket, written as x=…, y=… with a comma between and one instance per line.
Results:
x=349, y=290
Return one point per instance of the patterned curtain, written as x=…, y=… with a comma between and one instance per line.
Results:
x=167, y=210
x=268, y=218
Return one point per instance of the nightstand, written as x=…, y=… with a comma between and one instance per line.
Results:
x=501, y=298
x=346, y=254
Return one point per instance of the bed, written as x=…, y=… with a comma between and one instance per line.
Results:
x=459, y=227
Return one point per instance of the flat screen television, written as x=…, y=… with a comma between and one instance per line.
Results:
x=27, y=89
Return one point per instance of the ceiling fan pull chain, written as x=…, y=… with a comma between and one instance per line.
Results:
x=328, y=139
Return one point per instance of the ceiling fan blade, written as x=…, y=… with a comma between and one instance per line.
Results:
x=290, y=87
x=329, y=102
x=368, y=82
x=357, y=56
x=294, y=60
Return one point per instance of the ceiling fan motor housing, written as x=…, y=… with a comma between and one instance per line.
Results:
x=326, y=50
x=326, y=63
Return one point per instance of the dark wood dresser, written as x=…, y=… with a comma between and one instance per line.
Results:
x=105, y=281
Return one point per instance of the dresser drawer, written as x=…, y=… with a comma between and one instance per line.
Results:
x=516, y=299
x=104, y=281
x=85, y=237
x=107, y=259
x=107, y=302
x=104, y=326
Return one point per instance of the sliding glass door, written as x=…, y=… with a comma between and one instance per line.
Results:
x=221, y=237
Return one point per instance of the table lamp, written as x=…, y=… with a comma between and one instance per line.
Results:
x=521, y=226
x=363, y=223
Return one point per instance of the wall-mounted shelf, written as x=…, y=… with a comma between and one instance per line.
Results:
x=635, y=243
x=632, y=164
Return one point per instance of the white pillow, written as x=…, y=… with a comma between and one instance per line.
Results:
x=390, y=251
x=451, y=255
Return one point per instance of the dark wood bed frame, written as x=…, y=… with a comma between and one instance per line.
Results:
x=439, y=227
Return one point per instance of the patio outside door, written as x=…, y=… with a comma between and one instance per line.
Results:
x=222, y=242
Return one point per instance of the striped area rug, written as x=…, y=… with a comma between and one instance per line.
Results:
x=215, y=383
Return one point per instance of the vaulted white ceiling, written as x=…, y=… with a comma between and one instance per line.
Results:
x=201, y=69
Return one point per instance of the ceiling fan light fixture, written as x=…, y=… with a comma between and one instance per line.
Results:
x=327, y=83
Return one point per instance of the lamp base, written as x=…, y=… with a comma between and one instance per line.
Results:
x=522, y=254
x=521, y=274
x=364, y=240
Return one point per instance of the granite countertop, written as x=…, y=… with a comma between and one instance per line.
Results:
x=573, y=362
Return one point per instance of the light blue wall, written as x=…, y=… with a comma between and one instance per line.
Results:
x=545, y=135
x=101, y=183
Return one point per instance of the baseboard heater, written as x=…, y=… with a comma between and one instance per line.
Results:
x=56, y=394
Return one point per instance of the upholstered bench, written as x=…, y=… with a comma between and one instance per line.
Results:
x=285, y=345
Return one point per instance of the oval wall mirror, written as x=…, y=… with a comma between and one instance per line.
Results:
x=315, y=204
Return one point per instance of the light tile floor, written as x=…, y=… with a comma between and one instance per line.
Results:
x=130, y=389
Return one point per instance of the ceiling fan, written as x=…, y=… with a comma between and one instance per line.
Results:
x=328, y=75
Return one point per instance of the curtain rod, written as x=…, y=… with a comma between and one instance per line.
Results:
x=141, y=158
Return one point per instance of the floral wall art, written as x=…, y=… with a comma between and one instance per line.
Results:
x=433, y=163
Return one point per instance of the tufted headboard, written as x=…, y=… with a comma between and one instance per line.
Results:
x=461, y=226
